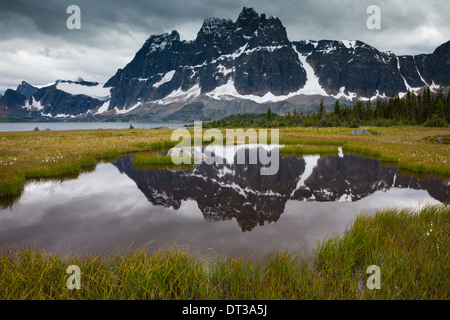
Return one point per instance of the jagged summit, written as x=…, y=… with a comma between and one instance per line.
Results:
x=216, y=26
x=26, y=89
x=248, y=13
x=160, y=42
x=259, y=30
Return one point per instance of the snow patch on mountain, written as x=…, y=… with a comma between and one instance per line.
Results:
x=404, y=80
x=421, y=78
x=44, y=85
x=349, y=44
x=312, y=85
x=224, y=70
x=34, y=106
x=228, y=91
x=434, y=87
x=123, y=111
x=375, y=97
x=229, y=152
x=178, y=96
x=310, y=164
x=313, y=42
x=329, y=48
x=63, y=115
x=103, y=108
x=243, y=50
x=96, y=92
x=166, y=78
x=342, y=93
x=160, y=42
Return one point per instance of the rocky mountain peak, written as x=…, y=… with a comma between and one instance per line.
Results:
x=12, y=101
x=215, y=26
x=247, y=22
x=26, y=89
x=248, y=14
x=160, y=42
x=258, y=30
x=443, y=49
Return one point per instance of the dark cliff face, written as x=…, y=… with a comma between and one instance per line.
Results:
x=253, y=52
x=436, y=67
x=256, y=57
x=353, y=65
x=26, y=89
x=56, y=102
x=224, y=192
x=12, y=103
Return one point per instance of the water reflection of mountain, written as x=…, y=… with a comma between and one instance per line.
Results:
x=352, y=178
x=223, y=192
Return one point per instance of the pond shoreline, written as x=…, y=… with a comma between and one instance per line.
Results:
x=52, y=154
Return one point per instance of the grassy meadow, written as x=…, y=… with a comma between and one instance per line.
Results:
x=411, y=248
x=53, y=154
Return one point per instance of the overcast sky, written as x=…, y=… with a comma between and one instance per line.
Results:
x=36, y=45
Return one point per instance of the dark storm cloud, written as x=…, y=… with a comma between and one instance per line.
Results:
x=36, y=45
x=24, y=18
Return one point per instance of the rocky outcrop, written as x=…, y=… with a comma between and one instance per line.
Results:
x=435, y=67
x=26, y=89
x=353, y=66
x=62, y=99
x=12, y=104
x=56, y=102
x=254, y=54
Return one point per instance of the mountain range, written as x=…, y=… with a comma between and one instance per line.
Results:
x=232, y=67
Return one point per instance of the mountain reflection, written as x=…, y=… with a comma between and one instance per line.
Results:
x=238, y=191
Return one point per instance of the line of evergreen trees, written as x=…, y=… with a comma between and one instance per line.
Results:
x=423, y=109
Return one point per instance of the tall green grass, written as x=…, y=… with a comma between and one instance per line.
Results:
x=73, y=166
x=313, y=142
x=362, y=150
x=410, y=247
x=145, y=159
x=304, y=150
x=402, y=164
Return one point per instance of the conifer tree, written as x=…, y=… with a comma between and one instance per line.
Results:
x=321, y=110
x=269, y=115
x=337, y=109
x=447, y=113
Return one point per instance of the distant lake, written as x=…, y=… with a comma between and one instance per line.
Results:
x=230, y=208
x=29, y=126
